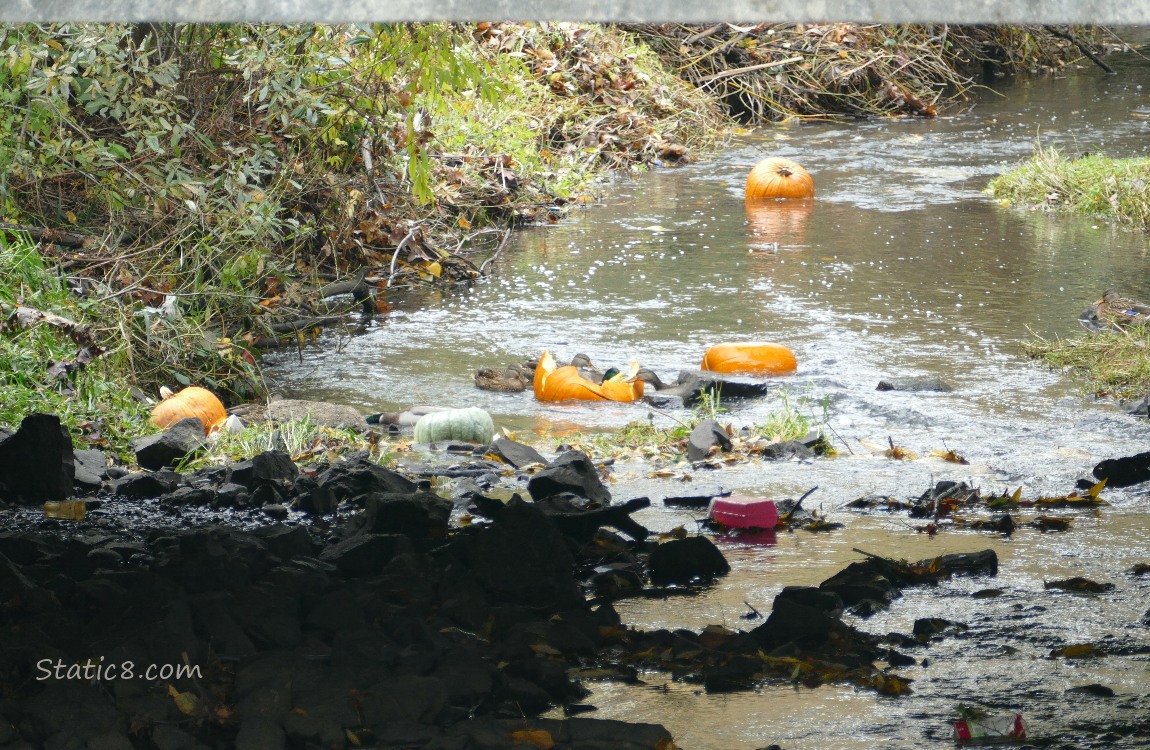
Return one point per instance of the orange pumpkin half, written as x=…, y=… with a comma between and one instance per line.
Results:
x=565, y=383
x=776, y=177
x=751, y=358
x=190, y=402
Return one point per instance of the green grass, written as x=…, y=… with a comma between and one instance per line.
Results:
x=1093, y=185
x=92, y=402
x=792, y=419
x=1111, y=363
x=302, y=439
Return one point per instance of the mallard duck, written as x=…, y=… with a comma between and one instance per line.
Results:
x=1113, y=311
x=405, y=418
x=588, y=371
x=513, y=379
x=691, y=386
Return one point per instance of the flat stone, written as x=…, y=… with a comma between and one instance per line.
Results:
x=707, y=434
x=572, y=472
x=172, y=445
x=686, y=560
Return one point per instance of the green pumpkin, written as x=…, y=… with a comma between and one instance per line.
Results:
x=472, y=424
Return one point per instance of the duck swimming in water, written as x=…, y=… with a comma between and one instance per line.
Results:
x=1114, y=312
x=513, y=379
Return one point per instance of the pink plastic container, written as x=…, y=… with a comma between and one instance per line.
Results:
x=745, y=512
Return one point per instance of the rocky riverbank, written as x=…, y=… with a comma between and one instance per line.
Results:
x=338, y=603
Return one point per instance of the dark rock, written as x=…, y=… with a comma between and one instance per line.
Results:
x=361, y=475
x=270, y=618
x=275, y=510
x=915, y=384
x=572, y=472
x=686, y=560
x=306, y=730
x=313, y=499
x=897, y=659
x=269, y=467
x=700, y=500
x=516, y=454
x=860, y=582
x=214, y=621
x=172, y=445
x=230, y=494
x=618, y=735
x=707, y=434
x=336, y=611
x=258, y=733
x=366, y=553
x=791, y=621
x=36, y=461
x=814, y=597
x=397, y=698
x=1139, y=408
x=983, y=562
x=1095, y=689
x=168, y=737
x=213, y=559
x=104, y=557
x=788, y=449
x=189, y=496
x=146, y=485
x=91, y=469
x=285, y=542
x=419, y=515
x=1122, y=472
x=926, y=628
x=521, y=559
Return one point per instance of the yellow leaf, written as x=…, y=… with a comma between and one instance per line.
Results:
x=1080, y=651
x=1017, y=495
x=186, y=702
x=353, y=738
x=55, y=45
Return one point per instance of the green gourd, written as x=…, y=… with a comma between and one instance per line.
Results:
x=472, y=424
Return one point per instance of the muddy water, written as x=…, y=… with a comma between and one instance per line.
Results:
x=903, y=266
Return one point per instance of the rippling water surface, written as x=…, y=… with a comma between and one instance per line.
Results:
x=902, y=266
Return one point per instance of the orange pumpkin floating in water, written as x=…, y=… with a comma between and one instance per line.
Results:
x=776, y=177
x=750, y=358
x=191, y=402
x=553, y=383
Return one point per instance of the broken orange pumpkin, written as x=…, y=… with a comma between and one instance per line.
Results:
x=553, y=383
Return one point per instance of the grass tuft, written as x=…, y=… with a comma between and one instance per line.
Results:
x=1091, y=185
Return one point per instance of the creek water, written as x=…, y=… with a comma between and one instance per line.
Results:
x=902, y=266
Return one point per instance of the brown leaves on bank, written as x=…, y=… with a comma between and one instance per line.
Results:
x=783, y=71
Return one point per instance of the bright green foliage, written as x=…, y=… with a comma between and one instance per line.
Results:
x=93, y=402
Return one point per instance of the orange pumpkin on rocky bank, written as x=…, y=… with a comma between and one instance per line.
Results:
x=776, y=177
x=190, y=402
